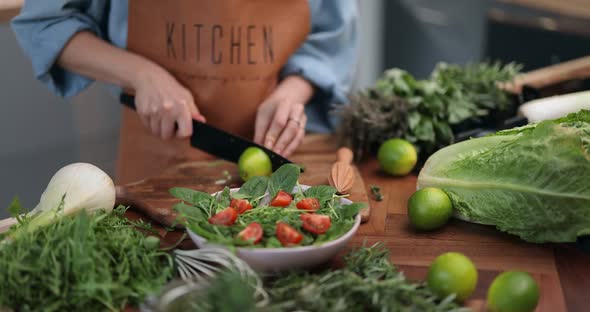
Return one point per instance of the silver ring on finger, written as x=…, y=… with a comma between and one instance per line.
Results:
x=295, y=121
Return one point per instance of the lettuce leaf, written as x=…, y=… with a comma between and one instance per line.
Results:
x=531, y=181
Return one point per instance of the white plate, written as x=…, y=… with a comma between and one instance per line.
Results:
x=280, y=259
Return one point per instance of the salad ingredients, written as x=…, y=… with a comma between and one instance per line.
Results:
x=254, y=162
x=530, y=181
x=252, y=233
x=452, y=273
x=282, y=199
x=240, y=205
x=73, y=188
x=308, y=204
x=84, y=262
x=429, y=209
x=203, y=213
x=424, y=112
x=513, y=292
x=288, y=235
x=397, y=157
x=226, y=217
x=316, y=223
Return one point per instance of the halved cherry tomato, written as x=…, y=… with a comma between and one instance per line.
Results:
x=240, y=205
x=253, y=233
x=288, y=235
x=226, y=216
x=316, y=223
x=282, y=199
x=309, y=204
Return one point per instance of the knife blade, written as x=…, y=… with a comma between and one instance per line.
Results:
x=218, y=142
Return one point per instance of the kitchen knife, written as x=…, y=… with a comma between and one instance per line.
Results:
x=218, y=142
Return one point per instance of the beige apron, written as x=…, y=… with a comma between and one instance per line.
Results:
x=227, y=52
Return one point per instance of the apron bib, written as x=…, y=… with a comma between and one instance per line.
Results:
x=228, y=53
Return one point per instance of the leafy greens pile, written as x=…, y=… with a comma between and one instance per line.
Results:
x=368, y=282
x=82, y=262
x=530, y=181
x=197, y=207
x=424, y=111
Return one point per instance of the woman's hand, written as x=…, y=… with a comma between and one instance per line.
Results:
x=162, y=102
x=280, y=121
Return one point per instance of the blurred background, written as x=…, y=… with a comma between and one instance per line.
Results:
x=40, y=132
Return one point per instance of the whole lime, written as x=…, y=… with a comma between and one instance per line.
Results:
x=254, y=162
x=452, y=273
x=513, y=292
x=429, y=209
x=397, y=157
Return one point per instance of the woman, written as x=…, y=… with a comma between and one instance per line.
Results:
x=249, y=67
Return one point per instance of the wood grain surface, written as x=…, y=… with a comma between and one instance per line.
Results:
x=561, y=270
x=151, y=196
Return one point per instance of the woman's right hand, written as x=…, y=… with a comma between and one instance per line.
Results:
x=162, y=102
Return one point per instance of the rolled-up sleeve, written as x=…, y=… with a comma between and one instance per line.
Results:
x=44, y=27
x=328, y=57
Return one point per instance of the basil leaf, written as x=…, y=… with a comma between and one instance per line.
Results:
x=285, y=178
x=254, y=187
x=196, y=198
x=190, y=213
x=322, y=192
x=351, y=210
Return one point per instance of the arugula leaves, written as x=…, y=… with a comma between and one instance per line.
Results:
x=198, y=207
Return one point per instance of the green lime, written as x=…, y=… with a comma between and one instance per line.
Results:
x=397, y=157
x=254, y=162
x=513, y=292
x=429, y=209
x=452, y=273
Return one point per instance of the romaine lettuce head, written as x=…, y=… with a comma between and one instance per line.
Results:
x=532, y=181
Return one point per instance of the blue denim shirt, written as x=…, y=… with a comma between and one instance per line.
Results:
x=327, y=58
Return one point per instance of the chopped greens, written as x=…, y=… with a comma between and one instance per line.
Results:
x=376, y=191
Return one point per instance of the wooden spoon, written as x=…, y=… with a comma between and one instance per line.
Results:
x=342, y=174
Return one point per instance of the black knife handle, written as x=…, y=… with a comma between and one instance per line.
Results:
x=128, y=100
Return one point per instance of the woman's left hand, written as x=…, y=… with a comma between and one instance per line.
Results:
x=280, y=121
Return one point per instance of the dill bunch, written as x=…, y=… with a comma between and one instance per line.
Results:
x=97, y=262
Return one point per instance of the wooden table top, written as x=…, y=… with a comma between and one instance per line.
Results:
x=562, y=271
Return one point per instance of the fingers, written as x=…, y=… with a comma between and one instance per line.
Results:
x=263, y=118
x=277, y=124
x=291, y=129
x=298, y=138
x=184, y=119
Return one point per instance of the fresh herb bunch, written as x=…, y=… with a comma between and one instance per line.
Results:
x=83, y=262
x=424, y=111
x=197, y=207
x=368, y=282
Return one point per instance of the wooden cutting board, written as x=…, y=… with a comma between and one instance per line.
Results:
x=151, y=197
